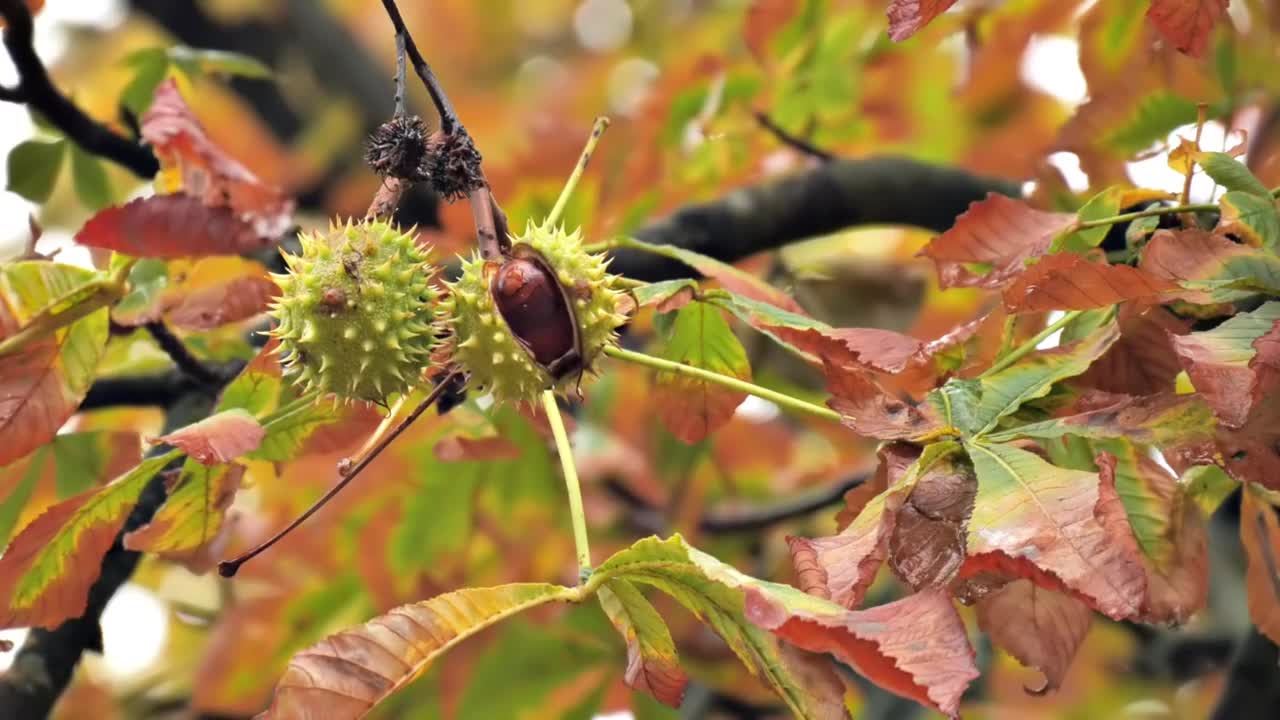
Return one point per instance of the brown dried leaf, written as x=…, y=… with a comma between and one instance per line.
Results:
x=1043, y=629
x=1000, y=232
x=1066, y=281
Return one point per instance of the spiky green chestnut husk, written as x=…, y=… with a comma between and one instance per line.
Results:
x=483, y=343
x=356, y=313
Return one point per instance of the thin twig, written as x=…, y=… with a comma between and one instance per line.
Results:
x=387, y=198
x=182, y=357
x=792, y=141
x=229, y=568
x=400, y=111
x=37, y=91
x=448, y=118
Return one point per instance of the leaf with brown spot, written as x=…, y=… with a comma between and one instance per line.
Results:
x=868, y=410
x=652, y=663
x=1000, y=233
x=689, y=407
x=1066, y=281
x=219, y=438
x=1260, y=533
x=841, y=567
x=1187, y=23
x=1043, y=629
x=190, y=524
x=928, y=544
x=1063, y=529
x=1163, y=418
x=906, y=17
x=1210, y=267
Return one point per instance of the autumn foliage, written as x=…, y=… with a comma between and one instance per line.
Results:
x=1015, y=461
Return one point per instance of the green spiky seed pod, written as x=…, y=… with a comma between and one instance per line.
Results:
x=356, y=313
x=507, y=364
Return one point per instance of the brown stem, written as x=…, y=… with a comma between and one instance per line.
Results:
x=448, y=118
x=228, y=568
x=792, y=141
x=182, y=357
x=387, y=198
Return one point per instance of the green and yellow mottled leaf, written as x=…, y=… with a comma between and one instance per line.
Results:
x=1218, y=361
x=652, y=663
x=42, y=384
x=1150, y=419
x=46, y=572
x=1251, y=217
x=192, y=516
x=1212, y=267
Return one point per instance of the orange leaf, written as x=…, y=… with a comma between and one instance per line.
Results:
x=219, y=290
x=1043, y=629
x=218, y=438
x=764, y=19
x=1220, y=362
x=1260, y=533
x=1063, y=529
x=1187, y=23
x=1066, y=281
x=915, y=647
x=1001, y=232
x=692, y=408
x=908, y=16
x=170, y=226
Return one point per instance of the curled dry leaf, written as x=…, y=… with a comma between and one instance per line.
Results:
x=927, y=547
x=999, y=232
x=218, y=438
x=868, y=410
x=652, y=664
x=841, y=567
x=1260, y=533
x=1066, y=281
x=1043, y=629
x=1063, y=529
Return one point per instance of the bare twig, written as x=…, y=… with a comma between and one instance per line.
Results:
x=182, y=357
x=400, y=74
x=36, y=90
x=448, y=118
x=792, y=141
x=387, y=198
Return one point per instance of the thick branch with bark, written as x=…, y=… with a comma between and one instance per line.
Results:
x=37, y=91
x=834, y=196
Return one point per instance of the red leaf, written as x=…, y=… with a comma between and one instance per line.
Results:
x=1063, y=529
x=873, y=348
x=1187, y=23
x=170, y=226
x=764, y=19
x=210, y=307
x=208, y=173
x=1265, y=364
x=915, y=647
x=1066, y=281
x=1260, y=533
x=908, y=16
x=868, y=410
x=1142, y=361
x=1189, y=256
x=218, y=438
x=999, y=231
x=1041, y=628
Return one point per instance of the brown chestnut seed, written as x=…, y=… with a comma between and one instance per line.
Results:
x=537, y=309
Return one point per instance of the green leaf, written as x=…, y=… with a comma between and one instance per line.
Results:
x=195, y=61
x=33, y=168
x=192, y=515
x=43, y=384
x=89, y=176
x=260, y=390
x=1156, y=419
x=1252, y=217
x=1004, y=392
x=1232, y=174
x=150, y=67
x=700, y=337
x=1152, y=120
x=46, y=572
x=1209, y=486
x=733, y=279
x=345, y=675
x=1145, y=490
x=753, y=616
x=148, y=279
x=437, y=516
x=1104, y=204
x=655, y=293
x=652, y=663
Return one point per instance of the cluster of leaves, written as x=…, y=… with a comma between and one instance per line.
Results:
x=1038, y=485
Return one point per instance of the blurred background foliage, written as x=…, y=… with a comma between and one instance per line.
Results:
x=1067, y=95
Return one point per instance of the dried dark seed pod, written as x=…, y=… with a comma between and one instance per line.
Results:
x=453, y=164
x=399, y=148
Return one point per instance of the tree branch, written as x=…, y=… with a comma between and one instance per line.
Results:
x=738, y=520
x=834, y=196
x=37, y=91
x=182, y=357
x=1251, y=689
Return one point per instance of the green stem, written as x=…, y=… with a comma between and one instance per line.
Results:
x=576, y=513
x=781, y=399
x=597, y=130
x=1171, y=210
x=1019, y=352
